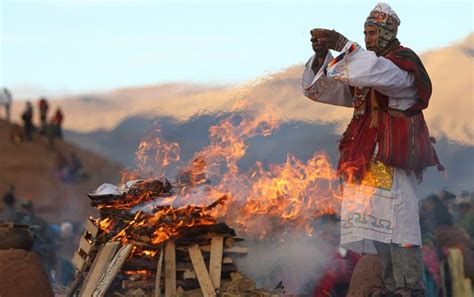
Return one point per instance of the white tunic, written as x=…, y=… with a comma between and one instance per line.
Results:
x=370, y=213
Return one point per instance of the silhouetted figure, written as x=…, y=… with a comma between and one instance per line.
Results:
x=62, y=166
x=44, y=243
x=76, y=169
x=43, y=111
x=27, y=118
x=6, y=100
x=56, y=123
x=9, y=212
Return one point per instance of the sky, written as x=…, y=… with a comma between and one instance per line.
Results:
x=66, y=47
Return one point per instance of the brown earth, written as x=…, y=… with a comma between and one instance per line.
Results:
x=31, y=168
x=21, y=274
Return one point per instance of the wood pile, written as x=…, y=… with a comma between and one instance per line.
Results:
x=162, y=251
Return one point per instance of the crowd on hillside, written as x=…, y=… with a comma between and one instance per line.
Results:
x=51, y=128
x=68, y=168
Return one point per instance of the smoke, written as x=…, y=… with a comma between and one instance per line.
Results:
x=298, y=263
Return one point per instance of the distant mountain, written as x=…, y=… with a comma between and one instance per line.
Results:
x=32, y=167
x=300, y=138
x=185, y=113
x=113, y=123
x=449, y=114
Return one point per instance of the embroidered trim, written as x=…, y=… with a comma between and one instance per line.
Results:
x=337, y=59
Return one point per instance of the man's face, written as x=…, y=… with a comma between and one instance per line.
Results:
x=371, y=35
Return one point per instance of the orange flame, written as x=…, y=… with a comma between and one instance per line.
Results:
x=275, y=198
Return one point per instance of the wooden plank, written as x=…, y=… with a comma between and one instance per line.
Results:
x=91, y=228
x=103, y=258
x=233, y=249
x=170, y=269
x=112, y=270
x=85, y=245
x=78, y=261
x=215, y=263
x=201, y=271
x=159, y=267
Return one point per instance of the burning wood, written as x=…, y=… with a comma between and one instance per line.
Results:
x=135, y=241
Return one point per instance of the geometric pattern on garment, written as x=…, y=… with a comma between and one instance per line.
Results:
x=375, y=214
x=359, y=201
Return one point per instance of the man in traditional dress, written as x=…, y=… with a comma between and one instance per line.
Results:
x=385, y=147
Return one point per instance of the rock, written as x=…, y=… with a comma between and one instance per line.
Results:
x=22, y=274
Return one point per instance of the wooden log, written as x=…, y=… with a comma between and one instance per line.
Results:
x=201, y=271
x=128, y=284
x=203, y=230
x=233, y=249
x=227, y=260
x=112, y=270
x=103, y=258
x=229, y=241
x=215, y=263
x=170, y=269
x=159, y=267
x=144, y=245
x=140, y=264
x=136, y=264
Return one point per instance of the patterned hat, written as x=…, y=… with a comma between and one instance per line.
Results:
x=387, y=22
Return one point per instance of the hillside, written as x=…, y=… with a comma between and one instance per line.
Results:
x=31, y=168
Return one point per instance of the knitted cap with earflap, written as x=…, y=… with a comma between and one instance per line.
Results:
x=386, y=20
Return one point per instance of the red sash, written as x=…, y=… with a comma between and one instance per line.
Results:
x=402, y=136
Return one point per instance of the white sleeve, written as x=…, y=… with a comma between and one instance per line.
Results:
x=318, y=87
x=360, y=68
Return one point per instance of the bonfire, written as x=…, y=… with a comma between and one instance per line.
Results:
x=156, y=237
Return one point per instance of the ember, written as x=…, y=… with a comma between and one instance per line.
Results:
x=123, y=250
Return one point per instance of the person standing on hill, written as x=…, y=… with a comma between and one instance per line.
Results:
x=6, y=101
x=56, y=123
x=43, y=107
x=386, y=146
x=27, y=118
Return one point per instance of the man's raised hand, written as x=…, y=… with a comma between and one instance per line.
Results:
x=318, y=45
x=330, y=39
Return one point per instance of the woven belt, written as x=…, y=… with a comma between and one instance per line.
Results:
x=402, y=113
